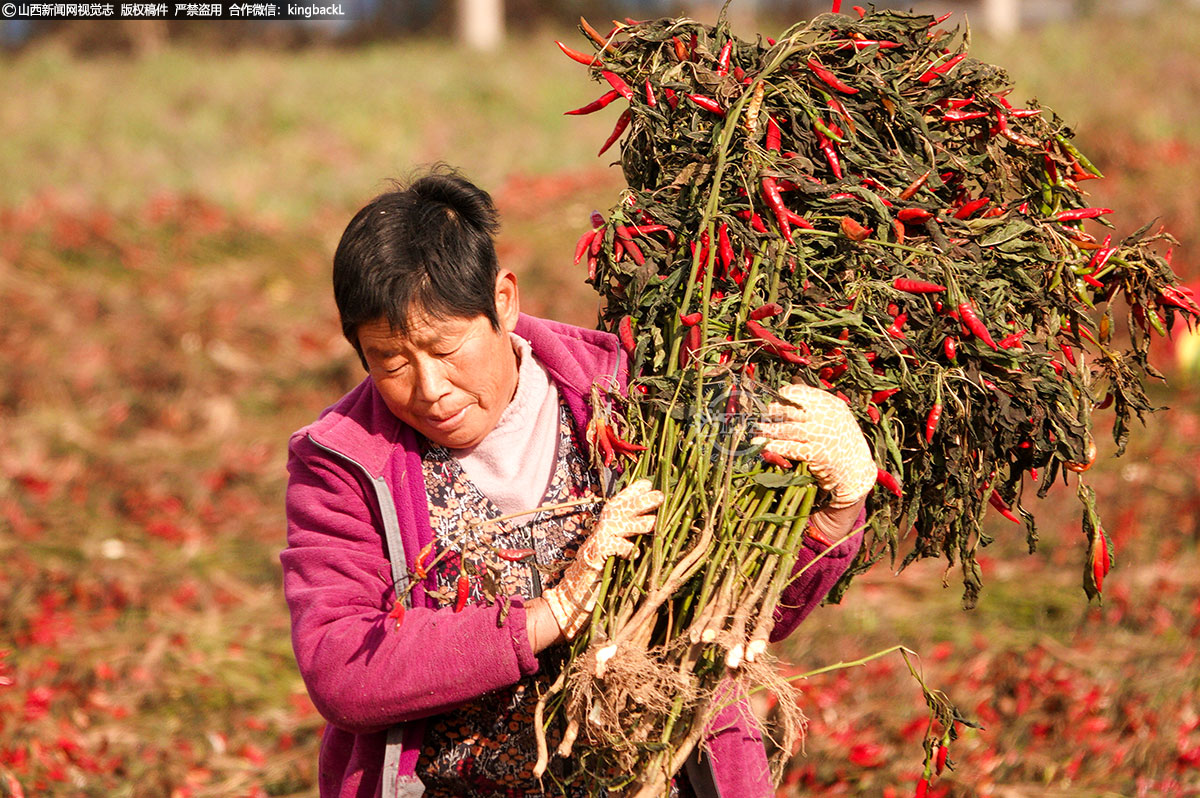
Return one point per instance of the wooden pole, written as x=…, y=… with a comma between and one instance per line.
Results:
x=1002, y=18
x=481, y=23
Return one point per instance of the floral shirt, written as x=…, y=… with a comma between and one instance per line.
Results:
x=487, y=747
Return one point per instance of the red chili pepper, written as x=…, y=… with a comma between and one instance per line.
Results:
x=879, y=397
x=419, y=567
x=831, y=155
x=604, y=442
x=691, y=319
x=585, y=241
x=631, y=247
x=690, y=344
x=1067, y=353
x=514, y=555
x=853, y=230
x=618, y=250
x=890, y=482
x=774, y=200
x=755, y=220
x=723, y=58
x=969, y=208
x=1012, y=341
x=766, y=311
x=1051, y=168
x=940, y=69
x=651, y=100
x=873, y=414
x=464, y=592
x=1092, y=281
x=625, y=332
x=724, y=247
x=618, y=129
x=830, y=79
x=1076, y=214
x=774, y=134
x=595, y=36
x=618, y=83
x=790, y=357
x=1003, y=129
x=672, y=98
x=837, y=7
x=916, y=286
x=1100, y=560
x=915, y=186
x=975, y=325
x=862, y=12
x=707, y=103
x=628, y=230
x=397, y=614
x=931, y=422
x=797, y=220
x=771, y=340
x=680, y=49
x=963, y=116
x=575, y=55
x=775, y=459
x=942, y=753
x=1178, y=296
x=626, y=448
x=603, y=101
x=894, y=329
x=913, y=215
x=862, y=44
x=1002, y=508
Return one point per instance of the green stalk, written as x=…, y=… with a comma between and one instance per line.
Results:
x=744, y=307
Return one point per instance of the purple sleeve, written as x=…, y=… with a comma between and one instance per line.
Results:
x=363, y=673
x=811, y=583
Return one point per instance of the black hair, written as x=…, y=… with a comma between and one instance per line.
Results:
x=428, y=247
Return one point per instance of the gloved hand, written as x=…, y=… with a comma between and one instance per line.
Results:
x=817, y=427
x=572, y=599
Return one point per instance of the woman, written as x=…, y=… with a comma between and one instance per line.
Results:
x=427, y=599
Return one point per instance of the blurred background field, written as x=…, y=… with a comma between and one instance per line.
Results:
x=167, y=220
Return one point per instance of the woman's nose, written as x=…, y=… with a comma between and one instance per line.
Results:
x=431, y=381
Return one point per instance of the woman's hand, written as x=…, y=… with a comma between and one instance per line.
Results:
x=627, y=514
x=817, y=427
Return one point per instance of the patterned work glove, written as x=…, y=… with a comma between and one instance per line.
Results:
x=817, y=427
x=624, y=515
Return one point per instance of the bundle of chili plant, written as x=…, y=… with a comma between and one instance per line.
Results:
x=858, y=206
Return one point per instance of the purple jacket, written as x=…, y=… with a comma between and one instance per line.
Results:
x=355, y=483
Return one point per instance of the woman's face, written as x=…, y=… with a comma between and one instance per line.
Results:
x=449, y=379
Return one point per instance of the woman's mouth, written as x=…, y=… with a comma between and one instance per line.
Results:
x=446, y=422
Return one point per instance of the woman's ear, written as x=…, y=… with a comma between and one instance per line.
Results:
x=508, y=302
